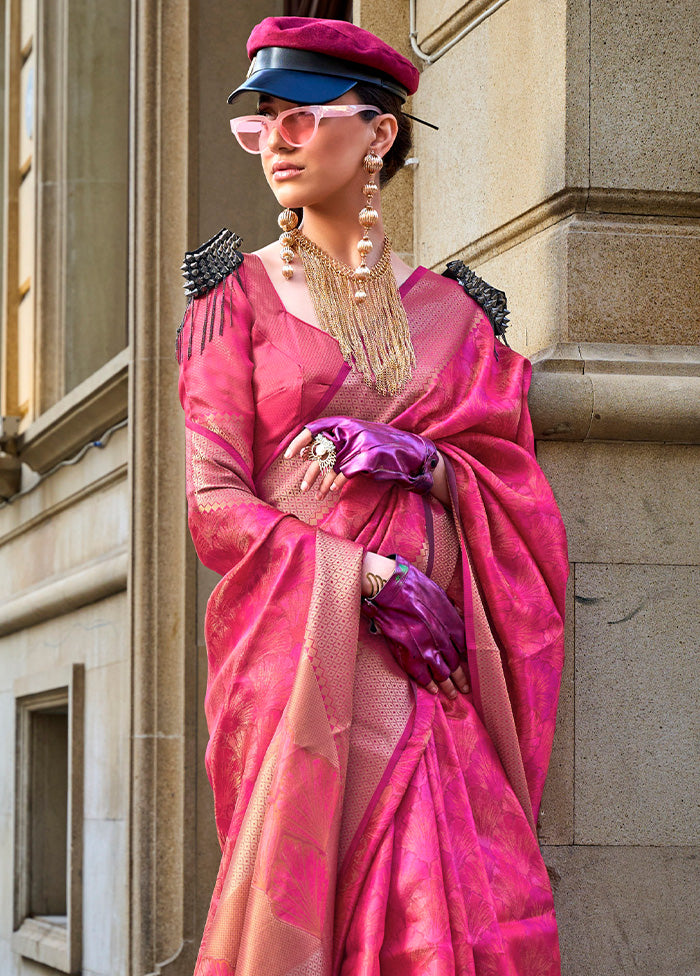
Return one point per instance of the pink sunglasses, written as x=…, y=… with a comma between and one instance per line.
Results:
x=297, y=126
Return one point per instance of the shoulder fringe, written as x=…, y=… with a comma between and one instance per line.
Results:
x=204, y=269
x=489, y=298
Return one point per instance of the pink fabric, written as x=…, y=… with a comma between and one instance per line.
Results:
x=366, y=827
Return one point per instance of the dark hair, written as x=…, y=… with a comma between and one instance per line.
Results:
x=389, y=103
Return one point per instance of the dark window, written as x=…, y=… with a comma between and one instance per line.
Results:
x=48, y=812
x=333, y=9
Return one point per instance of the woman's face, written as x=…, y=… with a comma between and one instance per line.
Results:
x=325, y=169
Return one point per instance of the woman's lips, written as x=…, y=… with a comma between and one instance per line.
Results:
x=280, y=173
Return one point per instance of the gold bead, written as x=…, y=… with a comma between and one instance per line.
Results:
x=360, y=296
x=372, y=162
x=287, y=220
x=369, y=189
x=362, y=272
x=286, y=239
x=287, y=254
x=287, y=271
x=368, y=216
x=364, y=246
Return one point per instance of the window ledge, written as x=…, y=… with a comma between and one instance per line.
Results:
x=45, y=942
x=83, y=414
x=69, y=591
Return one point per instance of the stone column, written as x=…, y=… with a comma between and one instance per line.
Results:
x=163, y=936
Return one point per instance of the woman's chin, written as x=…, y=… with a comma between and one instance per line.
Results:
x=287, y=197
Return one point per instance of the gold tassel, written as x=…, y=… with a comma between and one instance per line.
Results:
x=374, y=337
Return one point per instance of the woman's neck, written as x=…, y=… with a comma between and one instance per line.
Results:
x=338, y=232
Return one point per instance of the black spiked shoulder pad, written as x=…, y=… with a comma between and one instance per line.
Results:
x=213, y=261
x=491, y=299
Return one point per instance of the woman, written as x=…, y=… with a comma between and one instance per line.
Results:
x=385, y=643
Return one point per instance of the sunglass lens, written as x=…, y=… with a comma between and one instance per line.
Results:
x=298, y=127
x=248, y=132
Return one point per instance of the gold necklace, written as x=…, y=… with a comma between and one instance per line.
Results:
x=374, y=337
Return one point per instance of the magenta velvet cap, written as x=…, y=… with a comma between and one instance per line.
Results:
x=311, y=60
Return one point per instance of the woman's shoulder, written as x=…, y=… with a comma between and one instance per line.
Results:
x=209, y=264
x=492, y=300
x=459, y=286
x=214, y=288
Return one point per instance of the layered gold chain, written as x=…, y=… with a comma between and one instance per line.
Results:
x=373, y=336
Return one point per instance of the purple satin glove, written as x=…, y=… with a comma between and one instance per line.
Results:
x=425, y=632
x=379, y=451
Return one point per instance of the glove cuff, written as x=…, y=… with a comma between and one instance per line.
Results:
x=422, y=482
x=373, y=606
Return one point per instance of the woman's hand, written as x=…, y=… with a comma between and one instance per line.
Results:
x=331, y=481
x=423, y=629
x=378, y=451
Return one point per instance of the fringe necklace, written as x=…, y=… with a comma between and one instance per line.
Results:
x=373, y=335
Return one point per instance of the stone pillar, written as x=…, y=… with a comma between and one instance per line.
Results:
x=566, y=173
x=162, y=931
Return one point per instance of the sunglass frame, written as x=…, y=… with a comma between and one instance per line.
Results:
x=318, y=111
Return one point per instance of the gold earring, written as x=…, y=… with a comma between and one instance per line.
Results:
x=368, y=218
x=287, y=221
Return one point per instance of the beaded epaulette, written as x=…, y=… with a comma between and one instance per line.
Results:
x=204, y=269
x=489, y=298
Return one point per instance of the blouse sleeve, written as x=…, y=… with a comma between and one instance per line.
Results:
x=230, y=525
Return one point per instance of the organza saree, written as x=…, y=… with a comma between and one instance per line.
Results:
x=366, y=826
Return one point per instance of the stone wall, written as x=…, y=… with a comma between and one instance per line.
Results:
x=564, y=173
x=64, y=559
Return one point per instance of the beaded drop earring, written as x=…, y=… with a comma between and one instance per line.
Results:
x=287, y=221
x=368, y=218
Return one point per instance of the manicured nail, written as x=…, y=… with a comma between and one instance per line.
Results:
x=334, y=487
x=304, y=486
x=288, y=453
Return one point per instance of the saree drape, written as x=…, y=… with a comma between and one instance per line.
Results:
x=367, y=827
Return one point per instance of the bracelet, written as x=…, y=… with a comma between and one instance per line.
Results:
x=376, y=582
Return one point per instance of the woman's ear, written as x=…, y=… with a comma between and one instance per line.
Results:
x=385, y=131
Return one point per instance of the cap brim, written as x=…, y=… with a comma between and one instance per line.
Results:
x=302, y=87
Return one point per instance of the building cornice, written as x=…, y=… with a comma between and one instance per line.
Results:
x=616, y=392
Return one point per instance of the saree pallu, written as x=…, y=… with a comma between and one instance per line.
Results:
x=366, y=826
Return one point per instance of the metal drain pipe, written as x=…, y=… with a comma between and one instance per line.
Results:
x=432, y=58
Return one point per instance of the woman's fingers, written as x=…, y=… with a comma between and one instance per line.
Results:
x=326, y=482
x=338, y=482
x=457, y=681
x=447, y=688
x=460, y=679
x=331, y=482
x=302, y=440
x=310, y=475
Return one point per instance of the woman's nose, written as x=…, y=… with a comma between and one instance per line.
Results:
x=275, y=139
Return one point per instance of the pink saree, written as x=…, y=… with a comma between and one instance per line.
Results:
x=367, y=827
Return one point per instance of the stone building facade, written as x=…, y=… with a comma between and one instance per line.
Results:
x=566, y=173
